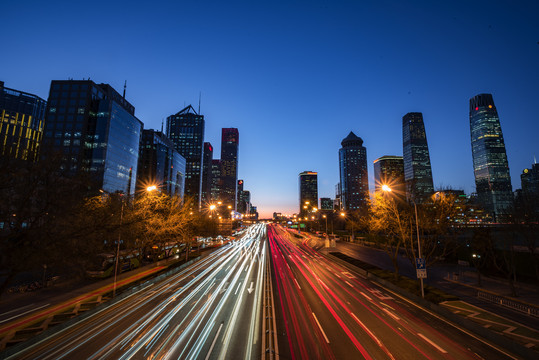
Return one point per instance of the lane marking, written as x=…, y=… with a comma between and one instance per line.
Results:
x=349, y=284
x=322, y=330
x=297, y=283
x=214, y=340
x=237, y=288
x=373, y=336
x=432, y=343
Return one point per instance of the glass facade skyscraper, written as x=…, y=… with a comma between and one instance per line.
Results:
x=160, y=164
x=389, y=170
x=229, y=166
x=354, y=179
x=22, y=118
x=94, y=129
x=207, y=158
x=417, y=170
x=308, y=192
x=215, y=180
x=491, y=168
x=186, y=130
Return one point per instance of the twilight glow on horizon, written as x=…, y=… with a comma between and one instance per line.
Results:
x=295, y=77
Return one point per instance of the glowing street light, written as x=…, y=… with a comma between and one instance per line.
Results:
x=151, y=188
x=386, y=188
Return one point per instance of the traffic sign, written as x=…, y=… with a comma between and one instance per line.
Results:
x=421, y=268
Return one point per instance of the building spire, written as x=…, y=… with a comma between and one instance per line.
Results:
x=199, y=98
x=125, y=87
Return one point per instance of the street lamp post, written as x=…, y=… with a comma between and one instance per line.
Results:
x=386, y=188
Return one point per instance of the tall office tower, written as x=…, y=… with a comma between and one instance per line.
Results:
x=353, y=173
x=247, y=199
x=186, y=130
x=326, y=204
x=389, y=170
x=529, y=180
x=417, y=170
x=242, y=206
x=94, y=129
x=160, y=164
x=215, y=180
x=207, y=158
x=491, y=169
x=308, y=192
x=22, y=118
x=229, y=166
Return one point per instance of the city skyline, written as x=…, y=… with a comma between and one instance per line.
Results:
x=339, y=68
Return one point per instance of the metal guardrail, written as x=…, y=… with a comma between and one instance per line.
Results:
x=270, y=347
x=515, y=305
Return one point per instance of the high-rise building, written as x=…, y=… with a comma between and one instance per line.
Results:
x=94, y=129
x=229, y=166
x=529, y=195
x=529, y=179
x=491, y=168
x=247, y=199
x=326, y=204
x=242, y=201
x=215, y=180
x=186, y=130
x=353, y=173
x=308, y=192
x=389, y=170
x=207, y=159
x=22, y=118
x=417, y=170
x=160, y=164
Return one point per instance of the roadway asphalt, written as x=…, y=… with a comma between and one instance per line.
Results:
x=209, y=310
x=326, y=311
x=465, y=287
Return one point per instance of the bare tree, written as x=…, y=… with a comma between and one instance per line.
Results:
x=392, y=221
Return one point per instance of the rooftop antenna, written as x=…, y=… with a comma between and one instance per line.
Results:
x=199, y=97
x=125, y=86
x=162, y=121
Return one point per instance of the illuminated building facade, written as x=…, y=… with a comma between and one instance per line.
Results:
x=308, y=192
x=94, y=129
x=353, y=173
x=229, y=166
x=326, y=204
x=160, y=164
x=207, y=158
x=491, y=168
x=22, y=118
x=416, y=158
x=243, y=203
x=215, y=180
x=186, y=130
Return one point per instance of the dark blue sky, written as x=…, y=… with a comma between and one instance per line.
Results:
x=297, y=76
